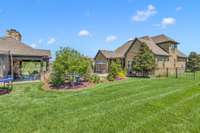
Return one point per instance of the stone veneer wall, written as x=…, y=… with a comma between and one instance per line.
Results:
x=4, y=65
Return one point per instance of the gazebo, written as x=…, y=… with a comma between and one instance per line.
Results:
x=13, y=52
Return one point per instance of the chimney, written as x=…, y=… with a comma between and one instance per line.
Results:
x=13, y=33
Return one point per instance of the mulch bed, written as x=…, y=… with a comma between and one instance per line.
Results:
x=68, y=86
x=4, y=91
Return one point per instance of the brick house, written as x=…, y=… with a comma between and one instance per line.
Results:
x=165, y=49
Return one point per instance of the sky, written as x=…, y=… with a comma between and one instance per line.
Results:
x=90, y=25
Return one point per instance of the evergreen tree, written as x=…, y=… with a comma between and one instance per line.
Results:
x=144, y=61
x=193, y=63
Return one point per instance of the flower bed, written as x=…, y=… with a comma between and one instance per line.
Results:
x=4, y=91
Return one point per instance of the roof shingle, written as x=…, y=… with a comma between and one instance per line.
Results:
x=16, y=47
x=163, y=38
x=151, y=42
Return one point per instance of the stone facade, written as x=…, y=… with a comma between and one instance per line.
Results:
x=164, y=64
x=4, y=65
x=131, y=54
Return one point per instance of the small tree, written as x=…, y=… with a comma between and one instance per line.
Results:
x=193, y=63
x=58, y=74
x=68, y=62
x=144, y=61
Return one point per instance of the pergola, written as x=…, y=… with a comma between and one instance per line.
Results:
x=16, y=52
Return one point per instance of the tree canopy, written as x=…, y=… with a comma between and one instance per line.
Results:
x=144, y=60
x=69, y=62
x=193, y=63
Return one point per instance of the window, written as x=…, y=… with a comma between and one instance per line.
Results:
x=129, y=65
x=162, y=58
x=173, y=47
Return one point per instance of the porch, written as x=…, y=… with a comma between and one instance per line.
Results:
x=28, y=68
x=103, y=67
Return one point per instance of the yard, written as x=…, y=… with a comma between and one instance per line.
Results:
x=133, y=105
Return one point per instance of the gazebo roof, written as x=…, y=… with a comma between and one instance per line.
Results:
x=18, y=48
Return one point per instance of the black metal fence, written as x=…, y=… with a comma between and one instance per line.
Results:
x=179, y=73
x=191, y=75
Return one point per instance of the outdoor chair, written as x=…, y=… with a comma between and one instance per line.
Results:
x=7, y=82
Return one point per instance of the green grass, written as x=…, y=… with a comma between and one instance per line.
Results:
x=134, y=105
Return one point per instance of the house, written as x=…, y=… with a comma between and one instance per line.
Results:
x=13, y=52
x=167, y=55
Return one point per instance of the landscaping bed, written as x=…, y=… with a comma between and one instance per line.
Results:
x=69, y=86
x=4, y=91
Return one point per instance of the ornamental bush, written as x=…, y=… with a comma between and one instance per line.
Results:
x=115, y=68
x=69, y=62
x=121, y=75
x=95, y=79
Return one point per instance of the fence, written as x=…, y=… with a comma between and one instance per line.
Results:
x=178, y=73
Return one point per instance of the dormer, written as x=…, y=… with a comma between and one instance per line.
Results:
x=166, y=43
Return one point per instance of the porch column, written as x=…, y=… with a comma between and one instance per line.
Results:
x=20, y=67
x=47, y=65
x=41, y=66
x=11, y=65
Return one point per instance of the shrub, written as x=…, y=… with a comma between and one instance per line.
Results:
x=58, y=75
x=88, y=73
x=95, y=79
x=69, y=62
x=115, y=68
x=121, y=75
x=110, y=77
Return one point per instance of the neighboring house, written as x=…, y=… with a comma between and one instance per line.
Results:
x=13, y=52
x=165, y=49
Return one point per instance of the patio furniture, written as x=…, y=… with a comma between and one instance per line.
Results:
x=7, y=81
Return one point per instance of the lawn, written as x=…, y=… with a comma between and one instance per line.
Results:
x=134, y=105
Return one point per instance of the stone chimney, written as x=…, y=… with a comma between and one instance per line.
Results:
x=13, y=33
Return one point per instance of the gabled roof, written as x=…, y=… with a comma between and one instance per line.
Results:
x=180, y=54
x=15, y=47
x=153, y=46
x=108, y=54
x=151, y=42
x=121, y=51
x=163, y=38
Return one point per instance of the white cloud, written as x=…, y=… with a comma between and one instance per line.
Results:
x=51, y=40
x=33, y=45
x=110, y=39
x=83, y=33
x=179, y=8
x=168, y=21
x=145, y=14
x=131, y=38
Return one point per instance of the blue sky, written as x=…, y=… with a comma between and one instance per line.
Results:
x=89, y=25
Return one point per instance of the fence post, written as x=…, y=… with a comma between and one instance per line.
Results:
x=176, y=72
x=167, y=72
x=194, y=75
